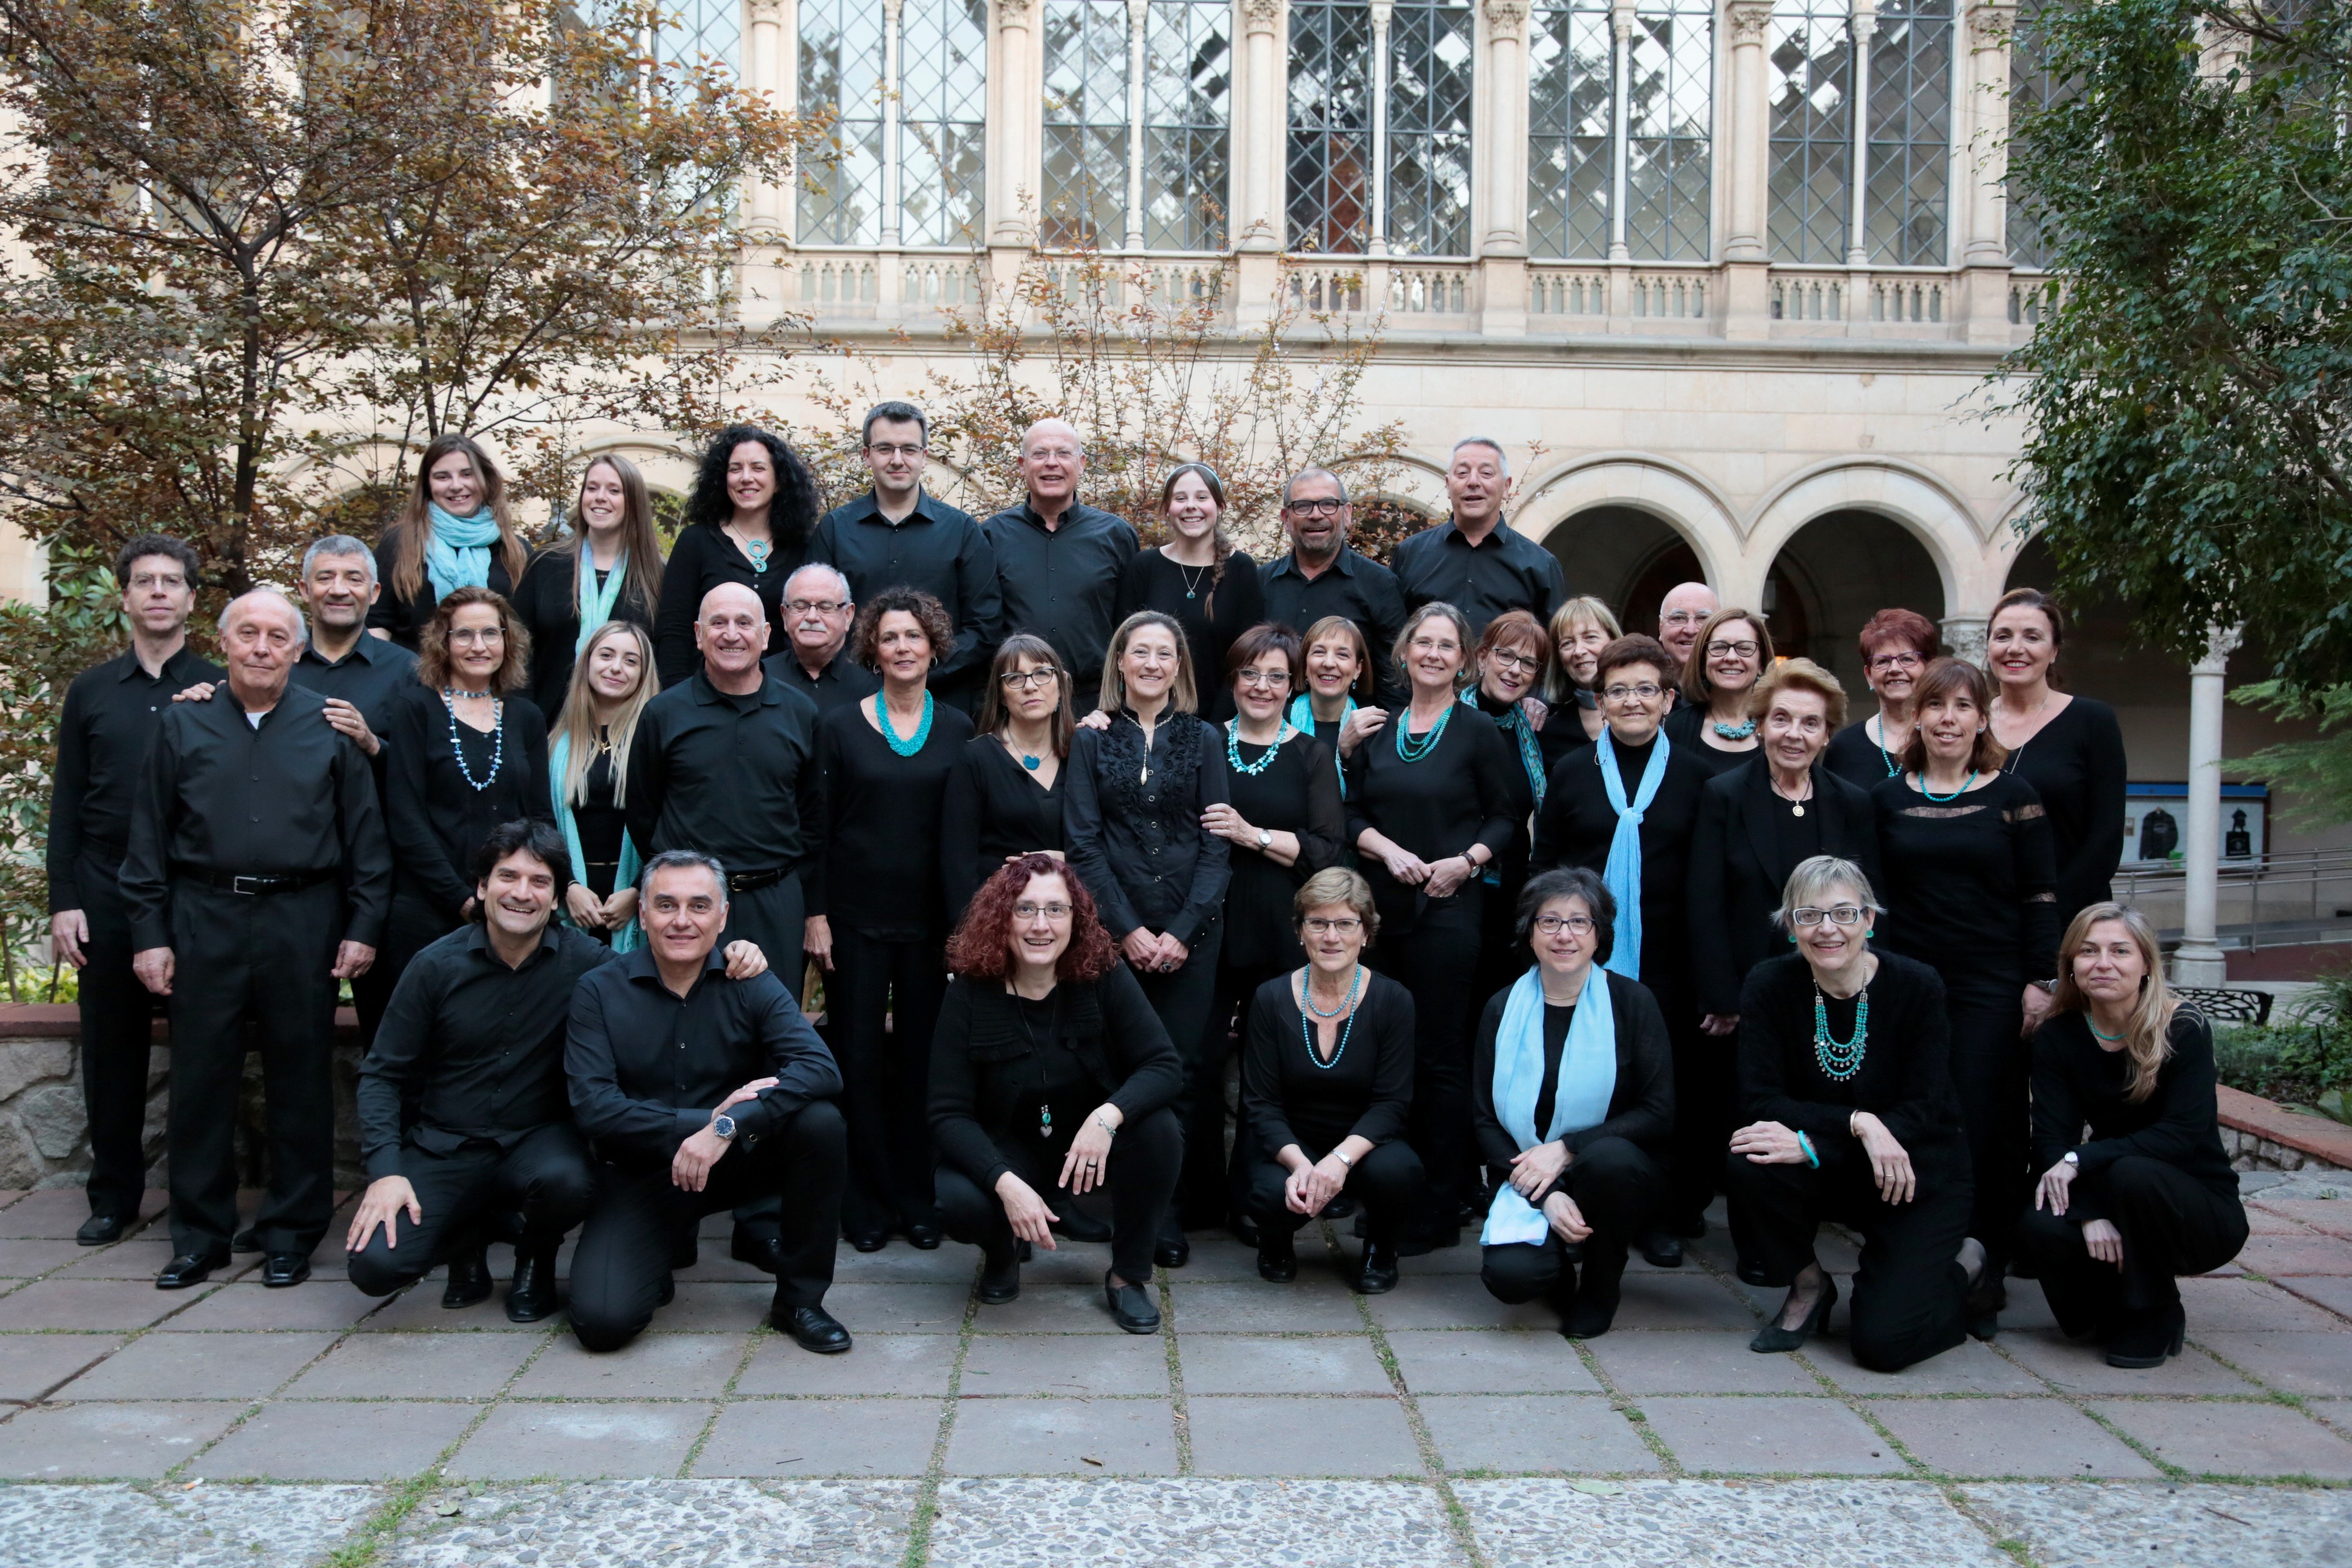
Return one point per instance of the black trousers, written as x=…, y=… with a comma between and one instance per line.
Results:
x=886, y=1073
x=1184, y=1001
x=1616, y=1185
x=1438, y=961
x=269, y=958
x=773, y=918
x=1207, y=1194
x=1909, y=1292
x=1707, y=1106
x=1989, y=1068
x=117, y=1017
x=1388, y=1182
x=1140, y=1174
x=548, y=1176
x=624, y=1256
x=2172, y=1224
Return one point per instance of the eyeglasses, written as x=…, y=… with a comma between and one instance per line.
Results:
x=1896, y=661
x=880, y=450
x=1029, y=911
x=1647, y=691
x=1739, y=649
x=1575, y=925
x=472, y=636
x=1023, y=679
x=1321, y=506
x=1434, y=645
x=1346, y=925
x=145, y=580
x=821, y=606
x=1274, y=677
x=1682, y=618
x=1516, y=661
x=1844, y=915
x=1052, y=454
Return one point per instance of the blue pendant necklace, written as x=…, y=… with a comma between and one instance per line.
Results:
x=1233, y=748
x=1306, y=1030
x=1412, y=751
x=922, y=730
x=497, y=738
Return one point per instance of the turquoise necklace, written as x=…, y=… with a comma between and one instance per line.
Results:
x=1840, y=1059
x=1233, y=748
x=1939, y=799
x=922, y=730
x=1306, y=1030
x=1412, y=751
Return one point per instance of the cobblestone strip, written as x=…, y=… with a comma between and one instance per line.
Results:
x=927, y=1491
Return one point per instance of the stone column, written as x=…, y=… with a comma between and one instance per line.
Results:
x=1139, y=18
x=1502, y=161
x=1384, y=11
x=1259, y=132
x=1746, y=160
x=1014, y=112
x=1857, y=237
x=1984, y=114
x=763, y=287
x=2198, y=960
x=1621, y=28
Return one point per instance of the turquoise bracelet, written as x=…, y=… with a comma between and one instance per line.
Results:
x=1806, y=1144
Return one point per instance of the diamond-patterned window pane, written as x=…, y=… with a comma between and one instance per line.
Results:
x=2030, y=87
x=697, y=30
x=1086, y=124
x=1572, y=62
x=1669, y=124
x=1906, y=206
x=942, y=126
x=1809, y=80
x=840, y=194
x=1188, y=74
x=1329, y=158
x=1430, y=60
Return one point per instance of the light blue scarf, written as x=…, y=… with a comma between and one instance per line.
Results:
x=1622, y=874
x=596, y=604
x=457, y=553
x=1302, y=719
x=559, y=768
x=1587, y=1076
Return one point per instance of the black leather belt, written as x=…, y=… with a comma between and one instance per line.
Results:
x=764, y=876
x=255, y=886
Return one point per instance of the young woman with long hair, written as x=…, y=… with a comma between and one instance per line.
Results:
x=747, y=520
x=1197, y=577
x=608, y=567
x=588, y=774
x=453, y=531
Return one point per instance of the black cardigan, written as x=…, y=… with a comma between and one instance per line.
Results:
x=979, y=1044
x=436, y=819
x=1641, y=1107
x=403, y=618
x=1737, y=875
x=2076, y=1084
x=1367, y=1093
x=703, y=558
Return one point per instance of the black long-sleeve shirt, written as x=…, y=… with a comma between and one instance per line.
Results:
x=1641, y=1103
x=994, y=1055
x=1212, y=613
x=547, y=602
x=404, y=617
x=2076, y=1084
x=702, y=558
x=1062, y=584
x=731, y=777
x=936, y=549
x=1686, y=727
x=994, y=807
x=1861, y=762
x=1577, y=823
x=1469, y=789
x=842, y=682
x=1365, y=1093
x=476, y=1047
x=1133, y=819
x=371, y=678
x=219, y=794
x=1505, y=570
x=874, y=829
x=2075, y=765
x=1969, y=885
x=1353, y=585
x=1298, y=792
x=110, y=714
x=436, y=818
x=647, y=1066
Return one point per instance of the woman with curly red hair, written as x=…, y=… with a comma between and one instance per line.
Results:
x=1050, y=1072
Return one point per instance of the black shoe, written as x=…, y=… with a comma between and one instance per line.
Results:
x=669, y=1292
x=765, y=1253
x=282, y=1269
x=1751, y=1272
x=1661, y=1248
x=469, y=1278
x=1985, y=1301
x=1772, y=1337
x=866, y=1240
x=1277, y=1257
x=1000, y=1278
x=1342, y=1207
x=1376, y=1271
x=1079, y=1226
x=1171, y=1252
x=1131, y=1308
x=99, y=1229
x=1245, y=1229
x=1691, y=1230
x=811, y=1329
x=686, y=1251
x=925, y=1236
x=2145, y=1340
x=246, y=1240
x=533, y=1294
x=1598, y=1287
x=190, y=1269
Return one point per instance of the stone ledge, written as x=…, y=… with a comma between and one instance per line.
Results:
x=2262, y=1135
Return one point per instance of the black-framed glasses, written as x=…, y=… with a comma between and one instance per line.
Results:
x=1516, y=661
x=821, y=606
x=1576, y=925
x=1346, y=925
x=1023, y=679
x=1318, y=507
x=1842, y=914
x=1745, y=649
x=1896, y=661
x=1647, y=691
x=916, y=450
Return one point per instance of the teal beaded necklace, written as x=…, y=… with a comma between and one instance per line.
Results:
x=1306, y=1030
x=1955, y=794
x=922, y=730
x=1266, y=760
x=1412, y=751
x=1840, y=1059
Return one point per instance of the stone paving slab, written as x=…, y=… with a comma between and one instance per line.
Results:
x=210, y=1527
x=1996, y=1437
x=384, y=1441
x=1769, y=1435
x=104, y=1442
x=1195, y=1523
x=711, y=1524
x=823, y=1436
x=1669, y=1524
x=1074, y=1436
x=1577, y=1433
x=2084, y=1526
x=1070, y=1364
x=583, y=1441
x=2231, y=1437
x=31, y=1364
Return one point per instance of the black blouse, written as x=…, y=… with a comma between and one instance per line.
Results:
x=704, y=557
x=602, y=826
x=875, y=833
x=1969, y=885
x=1854, y=757
x=1297, y=793
x=994, y=807
x=549, y=608
x=1366, y=1091
x=1152, y=582
x=2078, y=1084
x=1469, y=789
x=436, y=819
x=2075, y=765
x=1133, y=821
x=1641, y=1106
x=1577, y=823
x=1687, y=727
x=403, y=618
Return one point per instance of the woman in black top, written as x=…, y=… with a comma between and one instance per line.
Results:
x=588, y=772
x=464, y=757
x=1138, y=793
x=453, y=532
x=1896, y=647
x=1431, y=804
x=747, y=522
x=1509, y=661
x=1571, y=1121
x=1050, y=1074
x=875, y=917
x=1594, y=790
x=607, y=568
x=1005, y=794
x=2069, y=748
x=1853, y=1120
x=1580, y=630
x=1713, y=722
x=1210, y=589
x=1324, y=1109
x=1966, y=849
x=2149, y=1193
x=1336, y=707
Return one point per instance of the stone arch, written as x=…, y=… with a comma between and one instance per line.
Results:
x=1907, y=495
x=1642, y=505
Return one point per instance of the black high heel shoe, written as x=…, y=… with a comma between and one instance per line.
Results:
x=1773, y=1338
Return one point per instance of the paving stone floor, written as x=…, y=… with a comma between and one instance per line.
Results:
x=1298, y=1425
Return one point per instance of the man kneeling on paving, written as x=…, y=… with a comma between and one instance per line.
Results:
x=464, y=1116
x=664, y=1053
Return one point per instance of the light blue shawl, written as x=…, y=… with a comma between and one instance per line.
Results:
x=559, y=768
x=1587, y=1076
x=1622, y=874
x=457, y=553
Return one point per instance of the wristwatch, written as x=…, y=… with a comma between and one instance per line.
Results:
x=723, y=1124
x=2071, y=1158
x=1264, y=840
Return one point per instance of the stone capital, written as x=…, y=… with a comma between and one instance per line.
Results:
x=1261, y=15
x=1991, y=23
x=1749, y=20
x=1013, y=12
x=1965, y=635
x=771, y=12
x=1506, y=19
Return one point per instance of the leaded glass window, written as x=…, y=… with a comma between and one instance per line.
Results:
x=1669, y=115
x=1571, y=66
x=2031, y=88
x=697, y=30
x=1910, y=124
x=942, y=130
x=840, y=192
x=1430, y=59
x=1188, y=72
x=1329, y=155
x=1809, y=81
x=1085, y=198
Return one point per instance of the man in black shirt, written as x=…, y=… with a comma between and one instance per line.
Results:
x=1476, y=561
x=672, y=1065
x=1058, y=560
x=258, y=876
x=110, y=714
x=1323, y=576
x=818, y=610
x=898, y=536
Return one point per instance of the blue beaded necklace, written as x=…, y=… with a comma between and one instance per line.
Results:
x=1412, y=751
x=1306, y=1030
x=1233, y=748
x=1939, y=799
x=922, y=730
x=1840, y=1059
x=497, y=738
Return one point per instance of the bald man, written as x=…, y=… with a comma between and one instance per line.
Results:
x=1681, y=612
x=257, y=877
x=1058, y=560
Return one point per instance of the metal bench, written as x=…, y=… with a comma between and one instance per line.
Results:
x=2223, y=1005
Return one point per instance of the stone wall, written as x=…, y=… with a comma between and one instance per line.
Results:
x=2253, y=1151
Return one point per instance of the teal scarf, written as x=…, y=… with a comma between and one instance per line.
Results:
x=1588, y=1078
x=1622, y=874
x=596, y=604
x=559, y=768
x=1302, y=719
x=457, y=551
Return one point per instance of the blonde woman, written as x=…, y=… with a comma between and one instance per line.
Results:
x=1580, y=630
x=607, y=568
x=2149, y=1193
x=588, y=766
x=454, y=532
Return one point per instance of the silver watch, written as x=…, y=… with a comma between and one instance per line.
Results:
x=1264, y=840
x=2071, y=1158
x=723, y=1124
